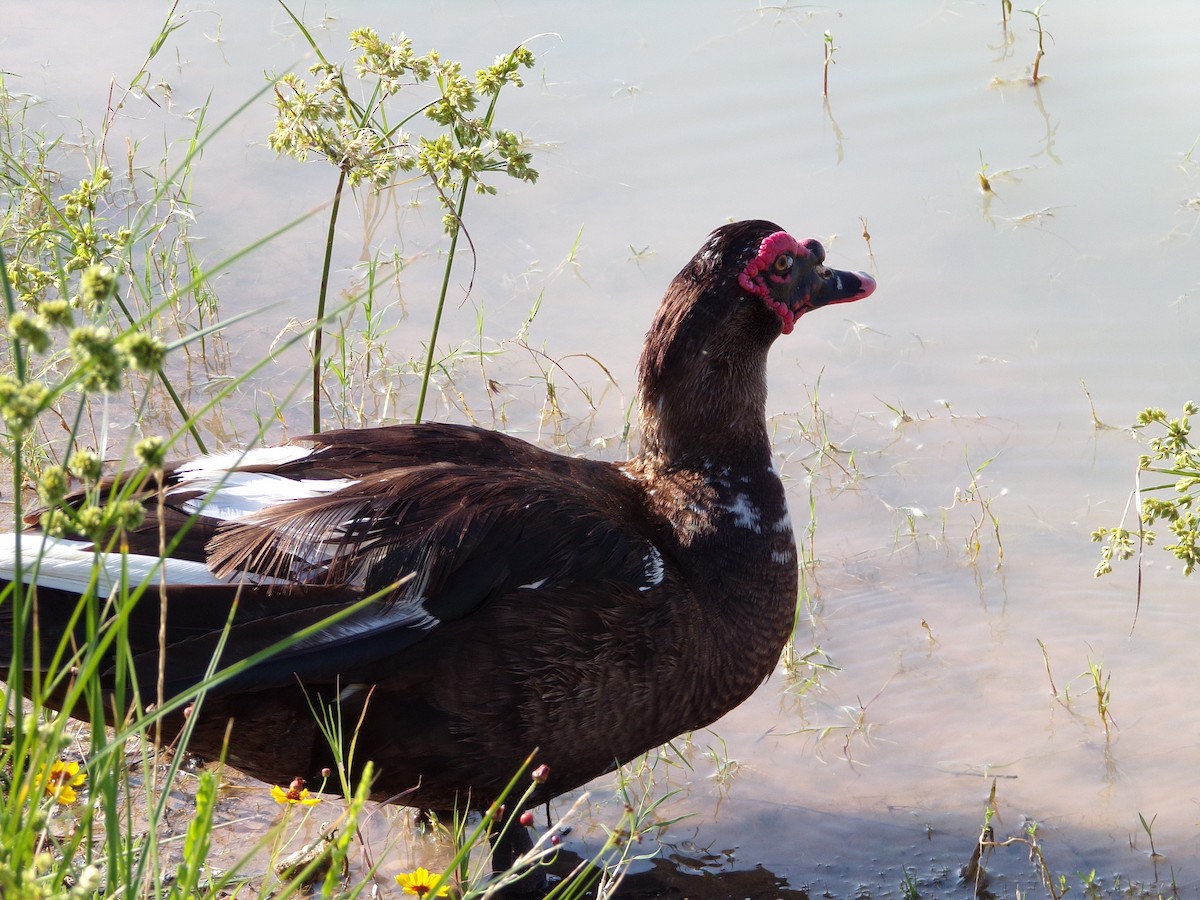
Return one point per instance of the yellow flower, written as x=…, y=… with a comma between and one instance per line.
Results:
x=421, y=882
x=64, y=777
x=296, y=793
x=293, y=797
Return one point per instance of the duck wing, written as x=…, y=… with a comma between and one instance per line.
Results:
x=426, y=546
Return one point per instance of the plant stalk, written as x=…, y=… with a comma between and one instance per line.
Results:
x=319, y=331
x=441, y=304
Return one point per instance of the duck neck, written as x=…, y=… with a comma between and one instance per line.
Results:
x=710, y=416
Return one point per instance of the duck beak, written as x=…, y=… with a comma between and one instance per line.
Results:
x=822, y=287
x=829, y=286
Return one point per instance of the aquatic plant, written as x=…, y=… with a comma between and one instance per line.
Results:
x=830, y=49
x=1174, y=455
x=985, y=183
x=1041, y=33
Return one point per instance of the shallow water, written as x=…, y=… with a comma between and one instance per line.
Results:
x=655, y=123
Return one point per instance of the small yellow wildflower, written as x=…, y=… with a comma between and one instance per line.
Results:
x=296, y=793
x=64, y=777
x=421, y=882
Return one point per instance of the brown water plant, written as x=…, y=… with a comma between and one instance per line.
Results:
x=1042, y=34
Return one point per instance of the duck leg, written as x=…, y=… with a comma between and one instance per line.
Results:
x=509, y=846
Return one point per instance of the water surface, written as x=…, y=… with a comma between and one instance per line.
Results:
x=654, y=124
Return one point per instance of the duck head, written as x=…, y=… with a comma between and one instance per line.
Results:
x=791, y=278
x=704, y=361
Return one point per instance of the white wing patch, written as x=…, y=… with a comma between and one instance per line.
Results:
x=654, y=569
x=214, y=465
x=68, y=566
x=234, y=495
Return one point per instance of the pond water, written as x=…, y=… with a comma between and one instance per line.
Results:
x=953, y=612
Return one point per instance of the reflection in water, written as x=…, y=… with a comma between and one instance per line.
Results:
x=1051, y=128
x=838, y=137
x=670, y=878
x=1003, y=49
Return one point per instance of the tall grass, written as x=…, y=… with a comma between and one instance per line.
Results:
x=111, y=318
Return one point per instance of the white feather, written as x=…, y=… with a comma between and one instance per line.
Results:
x=655, y=570
x=216, y=464
x=68, y=565
x=234, y=495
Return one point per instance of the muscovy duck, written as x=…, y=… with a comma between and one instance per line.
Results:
x=523, y=599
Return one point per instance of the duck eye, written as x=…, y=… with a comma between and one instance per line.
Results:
x=783, y=263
